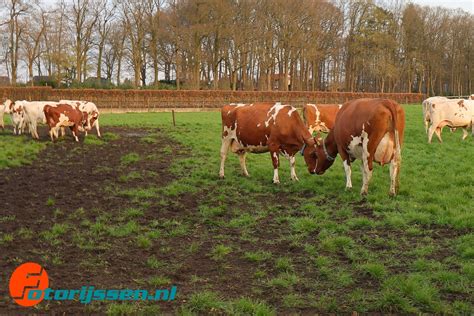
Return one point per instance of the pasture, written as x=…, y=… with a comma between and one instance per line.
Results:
x=144, y=208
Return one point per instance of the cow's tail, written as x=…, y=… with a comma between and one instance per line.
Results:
x=397, y=157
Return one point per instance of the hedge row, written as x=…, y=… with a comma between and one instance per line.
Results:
x=149, y=99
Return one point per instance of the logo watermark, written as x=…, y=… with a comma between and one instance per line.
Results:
x=29, y=285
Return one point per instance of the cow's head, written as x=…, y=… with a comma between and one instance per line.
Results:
x=94, y=116
x=84, y=126
x=7, y=106
x=16, y=107
x=321, y=156
x=309, y=154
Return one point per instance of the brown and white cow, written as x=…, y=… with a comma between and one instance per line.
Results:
x=320, y=118
x=62, y=115
x=17, y=116
x=91, y=110
x=366, y=129
x=263, y=127
x=452, y=113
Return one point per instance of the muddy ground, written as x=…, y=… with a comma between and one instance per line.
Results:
x=67, y=178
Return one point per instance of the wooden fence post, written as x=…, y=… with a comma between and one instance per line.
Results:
x=174, y=120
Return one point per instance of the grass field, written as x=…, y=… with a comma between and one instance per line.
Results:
x=246, y=246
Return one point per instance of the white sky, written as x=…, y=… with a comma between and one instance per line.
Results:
x=466, y=5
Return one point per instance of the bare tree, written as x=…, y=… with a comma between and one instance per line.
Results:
x=33, y=35
x=84, y=16
x=104, y=25
x=15, y=10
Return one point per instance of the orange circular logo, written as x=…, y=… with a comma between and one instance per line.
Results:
x=29, y=277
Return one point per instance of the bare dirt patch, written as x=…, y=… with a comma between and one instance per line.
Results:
x=69, y=184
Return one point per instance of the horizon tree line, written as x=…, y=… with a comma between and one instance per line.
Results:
x=313, y=45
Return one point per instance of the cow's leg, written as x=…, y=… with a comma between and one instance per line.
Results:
x=226, y=141
x=96, y=123
x=464, y=133
x=63, y=131
x=394, y=173
x=367, y=163
x=276, y=162
x=438, y=134
x=35, y=130
x=243, y=165
x=75, y=132
x=348, y=171
x=56, y=132
x=366, y=175
x=292, y=169
x=431, y=131
x=346, y=162
x=31, y=127
x=51, y=133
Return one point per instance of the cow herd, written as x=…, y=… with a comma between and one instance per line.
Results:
x=371, y=130
x=79, y=116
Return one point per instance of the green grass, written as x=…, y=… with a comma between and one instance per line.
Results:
x=257, y=256
x=130, y=158
x=18, y=150
x=219, y=252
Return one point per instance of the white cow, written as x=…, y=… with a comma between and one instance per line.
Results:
x=2, y=112
x=34, y=114
x=452, y=113
x=91, y=110
x=426, y=105
x=17, y=116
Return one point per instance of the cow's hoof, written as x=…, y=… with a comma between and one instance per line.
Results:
x=276, y=181
x=363, y=193
x=295, y=179
x=221, y=176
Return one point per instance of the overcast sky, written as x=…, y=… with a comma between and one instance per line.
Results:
x=466, y=5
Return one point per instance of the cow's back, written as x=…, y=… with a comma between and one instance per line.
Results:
x=34, y=110
x=457, y=111
x=253, y=126
x=362, y=114
x=329, y=113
